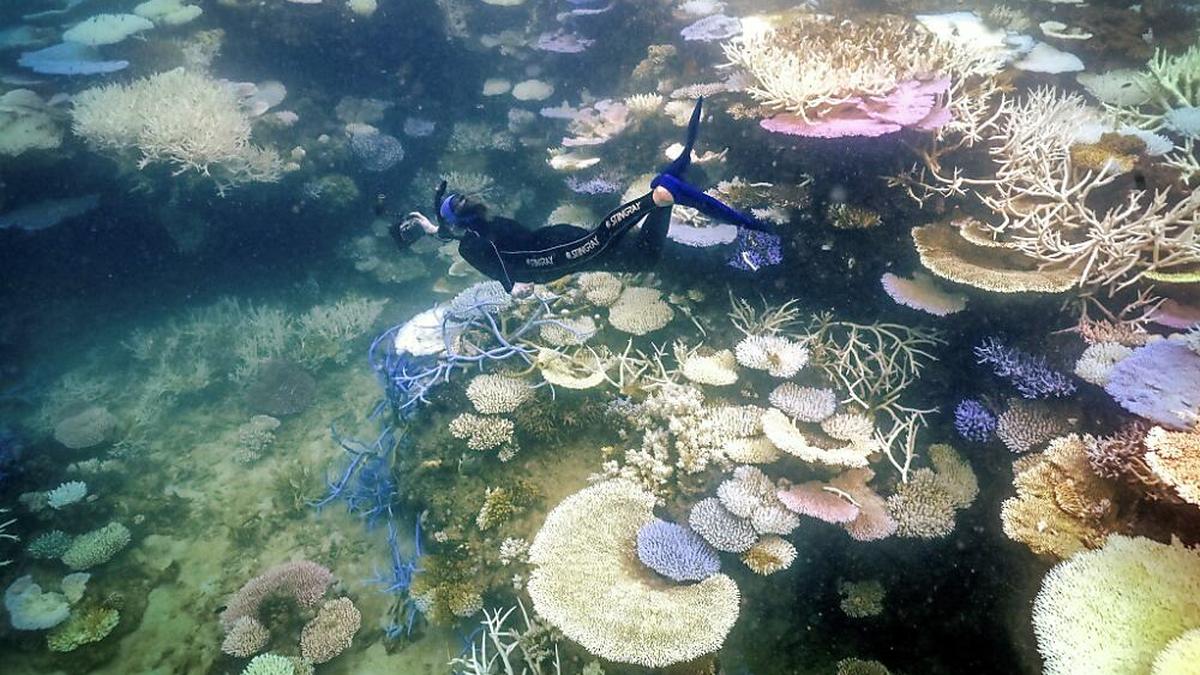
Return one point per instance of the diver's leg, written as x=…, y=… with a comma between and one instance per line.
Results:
x=650, y=240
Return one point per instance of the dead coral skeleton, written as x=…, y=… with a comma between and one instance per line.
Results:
x=1062, y=216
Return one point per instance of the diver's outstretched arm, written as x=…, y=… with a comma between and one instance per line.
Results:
x=420, y=220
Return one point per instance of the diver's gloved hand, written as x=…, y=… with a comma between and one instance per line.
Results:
x=411, y=228
x=426, y=224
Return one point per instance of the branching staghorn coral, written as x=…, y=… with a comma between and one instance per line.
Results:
x=503, y=649
x=816, y=63
x=5, y=535
x=751, y=321
x=181, y=118
x=1061, y=216
x=873, y=363
x=324, y=329
x=1147, y=98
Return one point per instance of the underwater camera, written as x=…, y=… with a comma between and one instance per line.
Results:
x=406, y=233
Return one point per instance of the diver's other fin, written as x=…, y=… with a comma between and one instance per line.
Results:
x=688, y=195
x=681, y=163
x=438, y=194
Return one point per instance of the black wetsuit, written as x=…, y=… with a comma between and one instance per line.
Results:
x=501, y=248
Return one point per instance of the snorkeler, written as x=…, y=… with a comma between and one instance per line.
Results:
x=504, y=250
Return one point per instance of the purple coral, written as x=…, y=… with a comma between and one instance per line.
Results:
x=1160, y=382
x=755, y=250
x=712, y=28
x=973, y=421
x=1030, y=375
x=676, y=552
x=600, y=185
x=562, y=42
x=376, y=150
x=303, y=581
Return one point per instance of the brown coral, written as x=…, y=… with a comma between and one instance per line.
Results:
x=1061, y=505
x=1174, y=456
x=1026, y=425
x=950, y=256
x=1112, y=150
x=331, y=631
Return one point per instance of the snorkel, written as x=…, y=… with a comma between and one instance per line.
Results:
x=446, y=206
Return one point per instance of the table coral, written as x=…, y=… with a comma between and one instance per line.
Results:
x=1114, y=609
x=583, y=584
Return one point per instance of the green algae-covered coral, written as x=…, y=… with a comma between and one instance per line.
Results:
x=49, y=545
x=502, y=503
x=96, y=547
x=446, y=588
x=84, y=627
x=270, y=664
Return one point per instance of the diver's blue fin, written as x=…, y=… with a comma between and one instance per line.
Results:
x=681, y=163
x=671, y=178
x=689, y=195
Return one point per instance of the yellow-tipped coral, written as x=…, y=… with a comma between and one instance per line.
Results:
x=1115, y=609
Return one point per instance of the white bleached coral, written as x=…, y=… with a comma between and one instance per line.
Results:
x=532, y=90
x=642, y=105
x=27, y=123
x=769, y=555
x=806, y=404
x=586, y=582
x=581, y=371
x=853, y=427
x=106, y=29
x=1084, y=626
x=922, y=293
x=791, y=440
x=716, y=369
x=493, y=394
x=753, y=450
x=599, y=288
x=777, y=355
x=181, y=118
x=481, y=433
x=723, y=530
x=168, y=12
x=567, y=332
x=751, y=494
x=1123, y=88
x=1098, y=360
x=640, y=310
